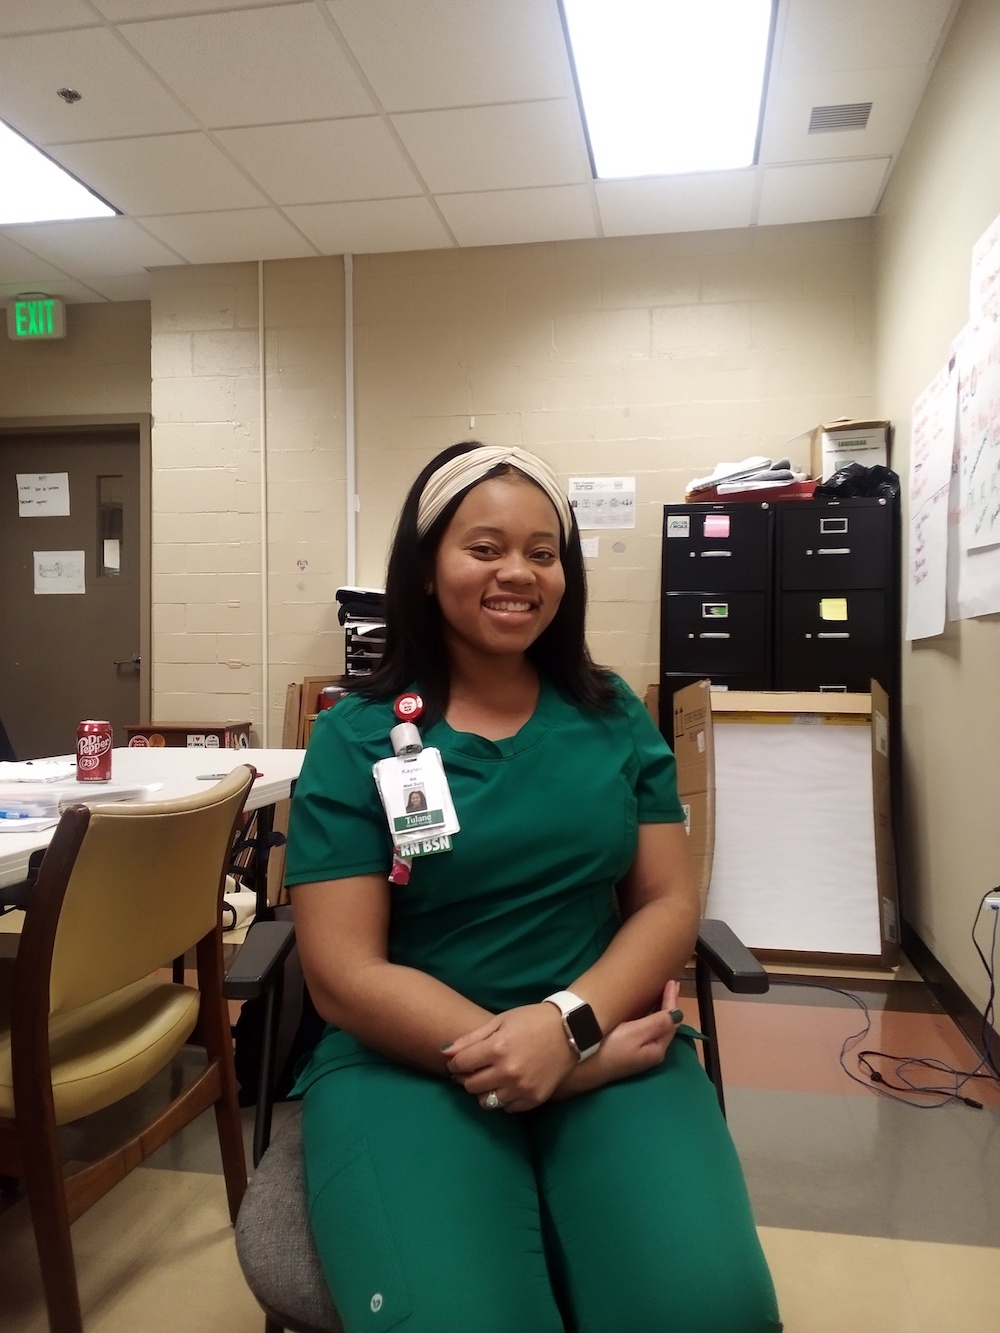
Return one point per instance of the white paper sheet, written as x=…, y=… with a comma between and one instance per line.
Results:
x=42, y=494
x=794, y=865
x=59, y=572
x=973, y=574
x=932, y=449
x=603, y=502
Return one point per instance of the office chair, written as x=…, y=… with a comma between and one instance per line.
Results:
x=273, y=1238
x=121, y=890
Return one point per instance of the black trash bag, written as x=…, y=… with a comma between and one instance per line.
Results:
x=854, y=480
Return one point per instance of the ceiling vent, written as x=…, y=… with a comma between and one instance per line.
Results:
x=847, y=116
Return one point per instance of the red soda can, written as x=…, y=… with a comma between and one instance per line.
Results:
x=93, y=752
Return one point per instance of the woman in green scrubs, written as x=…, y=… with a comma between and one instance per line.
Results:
x=501, y=1133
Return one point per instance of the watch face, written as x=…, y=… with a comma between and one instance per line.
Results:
x=584, y=1026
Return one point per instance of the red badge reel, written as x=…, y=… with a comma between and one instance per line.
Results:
x=408, y=707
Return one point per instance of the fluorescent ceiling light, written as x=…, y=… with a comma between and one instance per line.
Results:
x=35, y=189
x=670, y=86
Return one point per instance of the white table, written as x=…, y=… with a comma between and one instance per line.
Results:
x=179, y=769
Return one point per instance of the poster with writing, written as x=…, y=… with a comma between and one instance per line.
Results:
x=984, y=282
x=603, y=502
x=932, y=447
x=980, y=438
x=42, y=494
x=973, y=572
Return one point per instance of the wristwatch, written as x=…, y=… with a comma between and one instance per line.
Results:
x=583, y=1032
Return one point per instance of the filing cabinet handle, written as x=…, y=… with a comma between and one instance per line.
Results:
x=708, y=554
x=831, y=635
x=715, y=636
x=833, y=550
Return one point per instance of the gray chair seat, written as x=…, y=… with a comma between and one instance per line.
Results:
x=275, y=1245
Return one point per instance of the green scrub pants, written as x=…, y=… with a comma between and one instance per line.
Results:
x=620, y=1211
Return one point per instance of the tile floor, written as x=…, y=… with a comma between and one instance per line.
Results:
x=876, y=1217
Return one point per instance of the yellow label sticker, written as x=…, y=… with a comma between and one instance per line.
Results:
x=833, y=608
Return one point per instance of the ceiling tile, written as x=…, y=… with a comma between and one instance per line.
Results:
x=513, y=217
x=851, y=34
x=169, y=173
x=249, y=68
x=894, y=93
x=706, y=202
x=19, y=265
x=818, y=192
x=30, y=16
x=371, y=228
x=447, y=53
x=118, y=94
x=496, y=147
x=127, y=287
x=92, y=247
x=120, y=10
x=68, y=288
x=230, y=237
x=324, y=161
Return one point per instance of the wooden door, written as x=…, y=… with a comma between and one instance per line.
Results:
x=70, y=592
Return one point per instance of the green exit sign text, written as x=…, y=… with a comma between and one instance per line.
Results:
x=33, y=317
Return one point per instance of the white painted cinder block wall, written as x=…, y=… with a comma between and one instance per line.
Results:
x=653, y=356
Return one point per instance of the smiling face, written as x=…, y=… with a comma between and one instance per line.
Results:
x=498, y=578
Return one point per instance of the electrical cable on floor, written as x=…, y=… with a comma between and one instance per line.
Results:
x=905, y=1089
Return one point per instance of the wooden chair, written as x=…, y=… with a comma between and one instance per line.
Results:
x=121, y=891
x=273, y=1238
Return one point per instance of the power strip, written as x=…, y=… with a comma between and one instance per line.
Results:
x=992, y=902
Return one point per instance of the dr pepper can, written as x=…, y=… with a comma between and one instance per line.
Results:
x=93, y=752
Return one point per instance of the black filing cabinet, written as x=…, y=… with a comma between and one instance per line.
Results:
x=716, y=606
x=836, y=596
x=793, y=595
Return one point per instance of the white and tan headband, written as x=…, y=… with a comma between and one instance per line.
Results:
x=463, y=471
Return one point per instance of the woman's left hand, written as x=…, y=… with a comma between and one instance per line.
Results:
x=521, y=1055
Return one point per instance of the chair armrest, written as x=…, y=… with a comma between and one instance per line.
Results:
x=260, y=956
x=729, y=959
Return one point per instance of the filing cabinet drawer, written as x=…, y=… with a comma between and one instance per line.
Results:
x=844, y=545
x=825, y=634
x=706, y=634
x=716, y=547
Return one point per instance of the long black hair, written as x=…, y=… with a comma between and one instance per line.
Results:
x=415, y=651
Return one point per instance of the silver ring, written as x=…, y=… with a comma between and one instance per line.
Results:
x=493, y=1102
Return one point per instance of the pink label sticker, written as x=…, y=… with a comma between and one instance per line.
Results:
x=716, y=525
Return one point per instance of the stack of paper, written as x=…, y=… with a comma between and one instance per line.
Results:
x=37, y=770
x=755, y=473
x=24, y=807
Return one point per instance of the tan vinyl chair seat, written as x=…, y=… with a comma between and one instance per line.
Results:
x=106, y=1049
x=84, y=1020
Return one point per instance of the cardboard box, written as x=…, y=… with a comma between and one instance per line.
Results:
x=695, y=754
x=201, y=735
x=790, y=824
x=834, y=444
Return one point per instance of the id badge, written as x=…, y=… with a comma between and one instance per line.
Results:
x=417, y=802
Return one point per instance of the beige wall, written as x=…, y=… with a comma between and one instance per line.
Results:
x=208, y=607
x=942, y=196
x=654, y=357
x=101, y=366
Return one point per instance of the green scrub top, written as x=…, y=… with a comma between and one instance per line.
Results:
x=524, y=901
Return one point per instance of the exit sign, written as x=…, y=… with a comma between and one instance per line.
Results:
x=33, y=317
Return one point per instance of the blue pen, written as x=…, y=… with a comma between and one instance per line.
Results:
x=14, y=814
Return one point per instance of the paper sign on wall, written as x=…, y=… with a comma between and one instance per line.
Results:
x=603, y=502
x=59, y=572
x=42, y=494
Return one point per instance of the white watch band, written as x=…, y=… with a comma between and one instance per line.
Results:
x=566, y=1002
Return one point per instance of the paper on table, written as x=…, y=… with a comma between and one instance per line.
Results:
x=37, y=770
x=32, y=824
x=52, y=798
